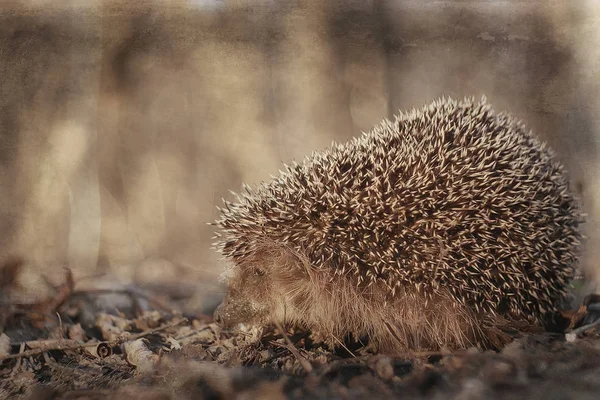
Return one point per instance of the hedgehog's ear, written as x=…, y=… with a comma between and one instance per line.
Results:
x=295, y=260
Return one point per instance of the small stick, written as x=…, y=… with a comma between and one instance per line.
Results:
x=21, y=349
x=73, y=345
x=40, y=350
x=584, y=328
x=158, y=329
x=344, y=346
x=303, y=361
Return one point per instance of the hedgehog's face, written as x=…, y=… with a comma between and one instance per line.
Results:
x=272, y=287
x=248, y=298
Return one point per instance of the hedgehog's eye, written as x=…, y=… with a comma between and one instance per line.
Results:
x=258, y=272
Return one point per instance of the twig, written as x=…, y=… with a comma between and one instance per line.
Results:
x=21, y=349
x=66, y=344
x=303, y=361
x=33, y=352
x=584, y=328
x=344, y=346
x=154, y=330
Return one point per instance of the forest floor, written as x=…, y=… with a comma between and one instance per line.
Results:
x=128, y=344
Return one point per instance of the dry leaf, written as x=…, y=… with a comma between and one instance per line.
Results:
x=138, y=355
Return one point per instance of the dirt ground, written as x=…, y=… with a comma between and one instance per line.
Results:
x=131, y=342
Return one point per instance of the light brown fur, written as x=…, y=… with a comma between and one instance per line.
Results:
x=277, y=285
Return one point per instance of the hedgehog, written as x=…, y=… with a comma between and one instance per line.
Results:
x=440, y=228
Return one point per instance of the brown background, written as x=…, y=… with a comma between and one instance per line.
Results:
x=122, y=124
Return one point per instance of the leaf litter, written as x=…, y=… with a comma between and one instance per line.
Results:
x=70, y=347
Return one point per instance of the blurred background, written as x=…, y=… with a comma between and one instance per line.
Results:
x=124, y=123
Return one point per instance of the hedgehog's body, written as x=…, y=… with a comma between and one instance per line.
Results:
x=427, y=232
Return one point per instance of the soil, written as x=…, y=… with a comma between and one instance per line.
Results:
x=126, y=344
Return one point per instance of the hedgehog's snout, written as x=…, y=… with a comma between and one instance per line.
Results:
x=234, y=310
x=225, y=314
